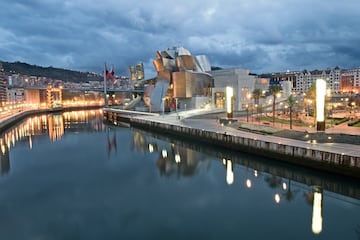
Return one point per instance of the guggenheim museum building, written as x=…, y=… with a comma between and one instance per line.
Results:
x=185, y=81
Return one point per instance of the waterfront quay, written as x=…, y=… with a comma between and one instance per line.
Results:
x=11, y=119
x=337, y=158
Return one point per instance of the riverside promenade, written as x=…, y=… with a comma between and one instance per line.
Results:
x=196, y=125
x=9, y=119
x=339, y=158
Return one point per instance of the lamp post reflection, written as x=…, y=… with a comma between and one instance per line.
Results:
x=277, y=198
x=248, y=180
x=248, y=183
x=316, y=225
x=229, y=171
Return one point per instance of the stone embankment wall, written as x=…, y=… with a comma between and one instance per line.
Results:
x=329, y=161
x=8, y=122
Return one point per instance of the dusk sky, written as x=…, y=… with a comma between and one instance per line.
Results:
x=259, y=35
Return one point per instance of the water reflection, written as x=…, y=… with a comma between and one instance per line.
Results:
x=229, y=171
x=178, y=159
x=111, y=142
x=53, y=124
x=4, y=162
x=174, y=160
x=317, y=211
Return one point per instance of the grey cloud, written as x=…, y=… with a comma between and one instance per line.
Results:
x=260, y=35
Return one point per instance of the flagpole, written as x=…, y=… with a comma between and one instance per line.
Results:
x=105, y=93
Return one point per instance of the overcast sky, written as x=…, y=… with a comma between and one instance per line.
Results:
x=259, y=35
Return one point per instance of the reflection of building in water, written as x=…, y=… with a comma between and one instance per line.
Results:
x=55, y=126
x=172, y=160
x=111, y=142
x=183, y=161
x=79, y=120
x=139, y=142
x=180, y=161
x=4, y=163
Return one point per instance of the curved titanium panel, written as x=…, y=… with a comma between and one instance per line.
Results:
x=203, y=63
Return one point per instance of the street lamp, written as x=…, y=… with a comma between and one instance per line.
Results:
x=163, y=106
x=353, y=104
x=320, y=104
x=257, y=111
x=229, y=101
x=309, y=103
x=247, y=112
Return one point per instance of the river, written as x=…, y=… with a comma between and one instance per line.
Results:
x=70, y=176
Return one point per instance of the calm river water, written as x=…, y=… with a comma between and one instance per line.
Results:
x=69, y=176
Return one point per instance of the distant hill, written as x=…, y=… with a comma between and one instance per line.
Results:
x=214, y=68
x=49, y=72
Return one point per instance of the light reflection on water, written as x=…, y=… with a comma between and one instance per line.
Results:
x=86, y=180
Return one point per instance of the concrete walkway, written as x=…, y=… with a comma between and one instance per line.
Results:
x=335, y=129
x=340, y=129
x=184, y=119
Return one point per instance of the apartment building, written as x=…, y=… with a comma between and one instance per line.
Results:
x=302, y=81
x=3, y=87
x=305, y=79
x=350, y=81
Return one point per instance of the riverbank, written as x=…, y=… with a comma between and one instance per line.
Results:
x=339, y=158
x=319, y=151
x=336, y=134
x=341, y=133
x=8, y=121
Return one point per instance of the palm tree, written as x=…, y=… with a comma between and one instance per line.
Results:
x=274, y=90
x=256, y=95
x=290, y=194
x=291, y=101
x=311, y=95
x=273, y=181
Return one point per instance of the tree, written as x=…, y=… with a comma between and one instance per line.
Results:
x=256, y=95
x=291, y=101
x=311, y=95
x=290, y=194
x=274, y=90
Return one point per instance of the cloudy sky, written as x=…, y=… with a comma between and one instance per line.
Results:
x=260, y=35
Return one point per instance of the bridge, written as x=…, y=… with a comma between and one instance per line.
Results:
x=90, y=89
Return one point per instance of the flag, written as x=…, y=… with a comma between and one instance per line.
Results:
x=109, y=75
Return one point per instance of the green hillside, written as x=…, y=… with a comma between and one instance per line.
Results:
x=49, y=72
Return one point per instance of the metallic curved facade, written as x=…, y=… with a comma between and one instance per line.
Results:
x=180, y=76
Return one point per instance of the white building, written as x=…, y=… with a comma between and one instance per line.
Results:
x=242, y=82
x=15, y=96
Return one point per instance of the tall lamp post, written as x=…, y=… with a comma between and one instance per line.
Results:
x=163, y=106
x=229, y=101
x=320, y=104
x=248, y=96
x=247, y=112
